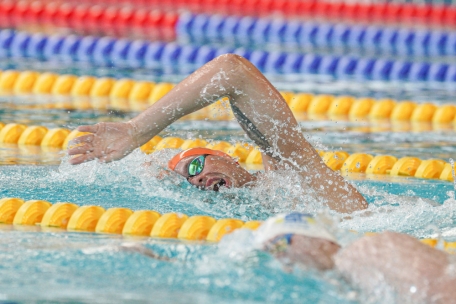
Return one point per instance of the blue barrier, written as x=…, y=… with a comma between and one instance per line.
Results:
x=255, y=32
x=36, y=45
x=178, y=58
x=86, y=48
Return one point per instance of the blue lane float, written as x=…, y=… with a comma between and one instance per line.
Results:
x=181, y=58
x=254, y=32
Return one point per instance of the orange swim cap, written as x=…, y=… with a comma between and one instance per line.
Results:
x=194, y=151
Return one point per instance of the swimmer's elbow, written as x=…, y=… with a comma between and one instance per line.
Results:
x=231, y=63
x=230, y=60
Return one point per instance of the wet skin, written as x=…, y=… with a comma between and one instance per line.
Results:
x=218, y=172
x=259, y=108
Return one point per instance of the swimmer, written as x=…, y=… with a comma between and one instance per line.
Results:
x=391, y=267
x=388, y=261
x=260, y=110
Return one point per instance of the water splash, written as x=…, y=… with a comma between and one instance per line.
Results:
x=407, y=214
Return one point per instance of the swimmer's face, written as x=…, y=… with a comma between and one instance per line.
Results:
x=217, y=172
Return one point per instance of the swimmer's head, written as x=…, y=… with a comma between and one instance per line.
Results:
x=210, y=169
x=295, y=223
x=298, y=237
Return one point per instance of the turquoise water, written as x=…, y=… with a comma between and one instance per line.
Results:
x=88, y=268
x=81, y=267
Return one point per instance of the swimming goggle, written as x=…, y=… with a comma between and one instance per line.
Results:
x=279, y=244
x=196, y=167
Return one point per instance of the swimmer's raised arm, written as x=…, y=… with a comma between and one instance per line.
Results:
x=257, y=105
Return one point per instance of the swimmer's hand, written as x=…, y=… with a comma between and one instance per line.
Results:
x=107, y=142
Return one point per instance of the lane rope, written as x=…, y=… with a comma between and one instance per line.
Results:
x=87, y=92
x=117, y=220
x=342, y=161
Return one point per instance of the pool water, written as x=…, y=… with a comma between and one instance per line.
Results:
x=302, y=50
x=55, y=265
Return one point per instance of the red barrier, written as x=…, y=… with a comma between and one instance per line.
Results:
x=156, y=19
x=95, y=19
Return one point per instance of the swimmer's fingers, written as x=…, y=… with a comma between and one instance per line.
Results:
x=83, y=149
x=89, y=128
x=107, y=158
x=81, y=139
x=81, y=159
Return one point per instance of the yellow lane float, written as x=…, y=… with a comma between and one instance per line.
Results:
x=88, y=92
x=356, y=163
x=169, y=143
x=196, y=227
x=320, y=104
x=102, y=87
x=8, y=209
x=168, y=225
x=361, y=108
x=219, y=145
x=403, y=111
x=140, y=91
x=335, y=160
x=82, y=86
x=223, y=227
x=431, y=168
x=243, y=152
x=381, y=164
x=11, y=133
x=423, y=112
x=141, y=223
x=55, y=138
x=85, y=218
x=444, y=114
x=382, y=109
x=144, y=223
x=254, y=157
x=31, y=212
x=300, y=102
x=287, y=96
x=63, y=85
x=149, y=146
x=44, y=83
x=32, y=135
x=58, y=215
x=113, y=220
x=193, y=143
x=24, y=82
x=406, y=166
x=341, y=106
x=447, y=173
x=252, y=225
x=7, y=80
